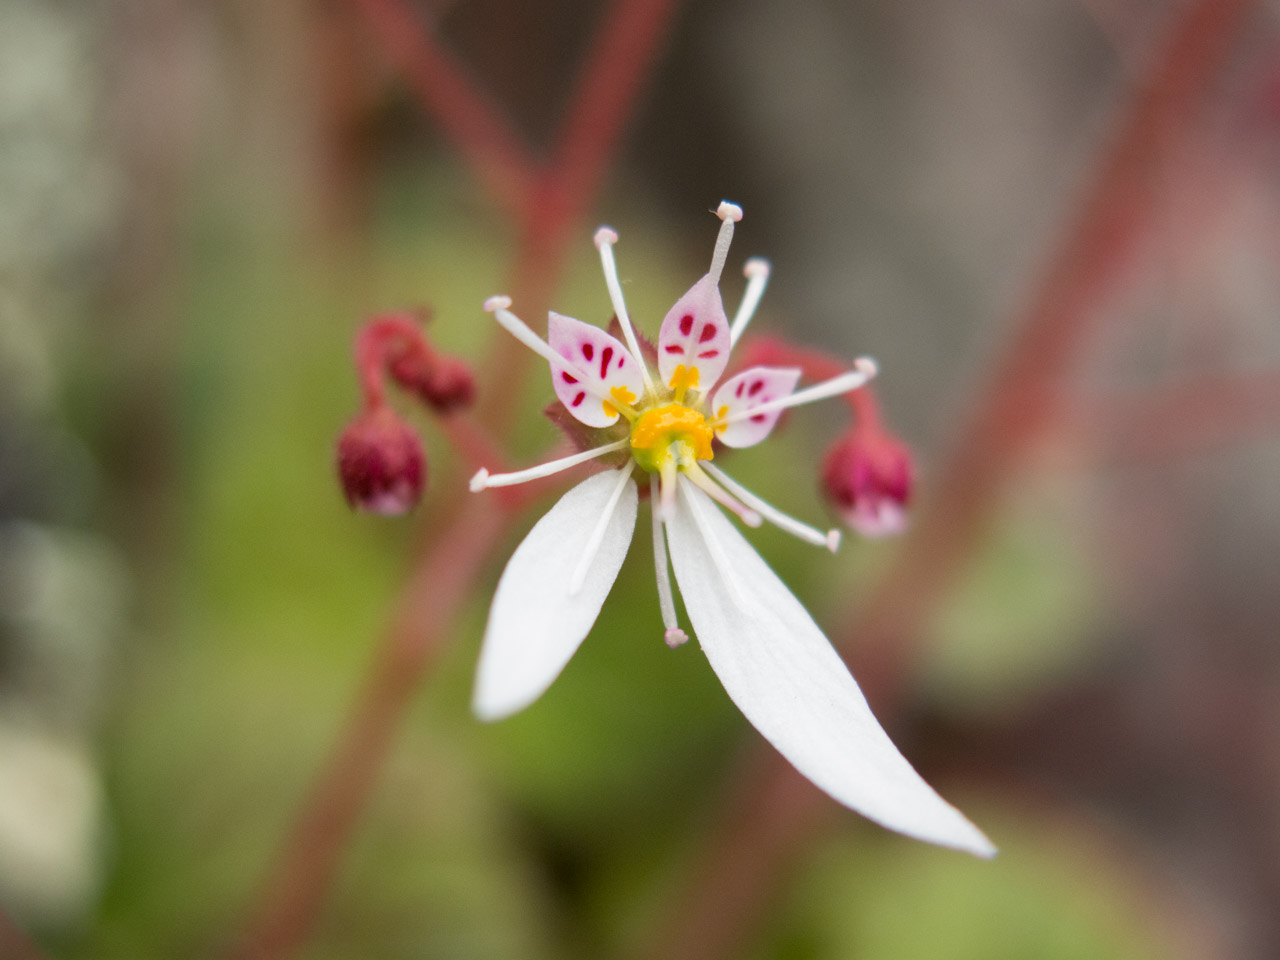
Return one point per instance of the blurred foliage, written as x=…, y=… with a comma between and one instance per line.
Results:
x=1028, y=615
x=1045, y=896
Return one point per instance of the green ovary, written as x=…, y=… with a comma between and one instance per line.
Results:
x=658, y=434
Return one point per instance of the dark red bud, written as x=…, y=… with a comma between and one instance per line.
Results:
x=867, y=476
x=452, y=385
x=412, y=369
x=380, y=463
x=441, y=382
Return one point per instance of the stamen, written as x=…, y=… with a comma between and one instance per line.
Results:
x=830, y=539
x=721, y=496
x=756, y=270
x=729, y=214
x=520, y=330
x=483, y=479
x=605, y=239
x=619, y=402
x=672, y=634
x=597, y=535
x=864, y=370
x=683, y=380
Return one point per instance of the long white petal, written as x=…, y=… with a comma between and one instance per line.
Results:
x=791, y=684
x=537, y=622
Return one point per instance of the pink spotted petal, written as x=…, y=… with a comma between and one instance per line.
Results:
x=750, y=389
x=604, y=362
x=695, y=334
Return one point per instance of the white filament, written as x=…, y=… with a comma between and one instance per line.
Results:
x=666, y=597
x=830, y=539
x=721, y=496
x=865, y=370
x=605, y=239
x=756, y=270
x=520, y=330
x=483, y=479
x=729, y=214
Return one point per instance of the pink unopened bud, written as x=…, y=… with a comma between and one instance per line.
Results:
x=867, y=476
x=380, y=463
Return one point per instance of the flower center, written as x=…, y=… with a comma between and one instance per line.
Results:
x=672, y=430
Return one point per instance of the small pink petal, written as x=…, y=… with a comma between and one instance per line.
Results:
x=603, y=362
x=748, y=389
x=695, y=333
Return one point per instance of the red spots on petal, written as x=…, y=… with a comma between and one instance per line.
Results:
x=738, y=392
x=581, y=394
x=708, y=353
x=686, y=324
x=759, y=418
x=675, y=348
x=756, y=388
x=621, y=360
x=606, y=355
x=588, y=351
x=708, y=332
x=567, y=378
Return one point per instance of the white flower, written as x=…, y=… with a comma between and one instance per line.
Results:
x=773, y=660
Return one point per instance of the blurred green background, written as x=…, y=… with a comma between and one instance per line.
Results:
x=200, y=202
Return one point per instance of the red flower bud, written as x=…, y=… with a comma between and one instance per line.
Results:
x=380, y=463
x=451, y=385
x=441, y=382
x=867, y=476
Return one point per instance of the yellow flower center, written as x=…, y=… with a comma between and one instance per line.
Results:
x=672, y=430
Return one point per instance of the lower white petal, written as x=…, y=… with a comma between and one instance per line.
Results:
x=537, y=620
x=784, y=675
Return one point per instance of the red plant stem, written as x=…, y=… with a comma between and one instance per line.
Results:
x=1021, y=399
x=473, y=123
x=378, y=344
x=14, y=942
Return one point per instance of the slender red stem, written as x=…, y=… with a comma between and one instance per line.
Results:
x=1021, y=398
x=379, y=343
x=474, y=124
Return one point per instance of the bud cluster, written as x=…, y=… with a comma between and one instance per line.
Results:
x=380, y=460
